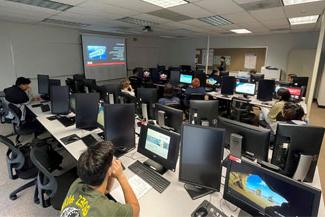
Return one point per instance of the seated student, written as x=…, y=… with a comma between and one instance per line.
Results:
x=291, y=77
x=283, y=96
x=195, y=88
x=126, y=87
x=169, y=96
x=87, y=195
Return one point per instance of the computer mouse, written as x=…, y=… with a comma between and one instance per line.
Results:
x=73, y=138
x=201, y=212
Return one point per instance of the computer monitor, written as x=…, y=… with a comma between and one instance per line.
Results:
x=86, y=110
x=255, y=142
x=160, y=146
x=245, y=88
x=174, y=77
x=206, y=110
x=43, y=84
x=265, y=90
x=90, y=84
x=256, y=77
x=243, y=75
x=300, y=81
x=60, y=100
x=168, y=117
x=261, y=192
x=119, y=123
x=228, y=84
x=295, y=92
x=300, y=140
x=54, y=82
x=200, y=159
x=185, y=78
x=147, y=95
x=185, y=68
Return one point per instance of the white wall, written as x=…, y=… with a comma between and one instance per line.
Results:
x=278, y=46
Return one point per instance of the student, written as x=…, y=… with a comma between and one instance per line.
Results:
x=291, y=77
x=87, y=195
x=223, y=66
x=169, y=96
x=126, y=87
x=195, y=88
x=283, y=96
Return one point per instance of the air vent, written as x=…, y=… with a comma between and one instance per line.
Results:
x=215, y=20
x=138, y=22
x=170, y=15
x=53, y=5
x=262, y=4
x=65, y=23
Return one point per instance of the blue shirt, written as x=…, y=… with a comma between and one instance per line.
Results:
x=169, y=101
x=191, y=90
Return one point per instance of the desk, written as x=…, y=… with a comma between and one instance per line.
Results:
x=174, y=201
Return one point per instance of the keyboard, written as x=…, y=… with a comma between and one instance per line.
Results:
x=148, y=175
x=67, y=122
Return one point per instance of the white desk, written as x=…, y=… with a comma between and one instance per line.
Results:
x=174, y=201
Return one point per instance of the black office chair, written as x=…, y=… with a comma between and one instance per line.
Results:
x=20, y=166
x=51, y=189
x=241, y=111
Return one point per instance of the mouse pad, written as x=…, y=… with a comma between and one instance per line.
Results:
x=70, y=139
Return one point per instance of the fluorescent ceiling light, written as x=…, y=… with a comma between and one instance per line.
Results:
x=215, y=20
x=167, y=3
x=138, y=22
x=241, y=31
x=303, y=20
x=65, y=23
x=53, y=5
x=295, y=2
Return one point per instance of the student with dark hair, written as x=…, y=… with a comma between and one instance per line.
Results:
x=18, y=93
x=291, y=112
x=169, y=96
x=223, y=66
x=284, y=96
x=87, y=195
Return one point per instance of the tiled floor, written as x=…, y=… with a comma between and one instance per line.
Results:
x=24, y=205
x=317, y=118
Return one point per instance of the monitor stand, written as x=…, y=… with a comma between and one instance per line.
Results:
x=155, y=166
x=196, y=191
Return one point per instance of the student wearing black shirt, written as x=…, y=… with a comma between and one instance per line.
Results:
x=17, y=94
x=222, y=66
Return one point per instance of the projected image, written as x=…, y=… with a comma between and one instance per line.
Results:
x=157, y=143
x=255, y=189
x=187, y=79
x=97, y=53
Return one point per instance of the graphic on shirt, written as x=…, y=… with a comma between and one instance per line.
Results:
x=70, y=212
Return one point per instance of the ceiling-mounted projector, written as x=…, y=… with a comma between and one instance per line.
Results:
x=147, y=29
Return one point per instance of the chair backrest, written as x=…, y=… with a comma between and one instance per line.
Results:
x=15, y=158
x=45, y=180
x=196, y=96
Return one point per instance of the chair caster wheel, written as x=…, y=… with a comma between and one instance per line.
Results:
x=13, y=197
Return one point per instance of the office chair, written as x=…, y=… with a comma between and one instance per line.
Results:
x=51, y=189
x=241, y=111
x=20, y=166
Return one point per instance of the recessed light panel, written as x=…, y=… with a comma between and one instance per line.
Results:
x=44, y=4
x=241, y=31
x=303, y=20
x=296, y=2
x=166, y=3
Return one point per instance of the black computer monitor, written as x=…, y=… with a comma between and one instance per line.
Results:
x=185, y=78
x=43, y=84
x=106, y=90
x=168, y=117
x=256, y=140
x=160, y=146
x=60, y=101
x=206, y=110
x=265, y=90
x=147, y=95
x=300, y=81
x=245, y=88
x=78, y=76
x=301, y=140
x=256, y=77
x=90, y=84
x=54, y=82
x=119, y=123
x=261, y=192
x=86, y=110
x=174, y=77
x=186, y=68
x=228, y=84
x=200, y=159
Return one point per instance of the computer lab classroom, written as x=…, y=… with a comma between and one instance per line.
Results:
x=162, y=108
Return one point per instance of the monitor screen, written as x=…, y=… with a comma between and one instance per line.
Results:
x=259, y=191
x=295, y=91
x=265, y=90
x=186, y=79
x=60, y=102
x=159, y=145
x=199, y=165
x=245, y=88
x=86, y=110
x=228, y=84
x=212, y=81
x=43, y=84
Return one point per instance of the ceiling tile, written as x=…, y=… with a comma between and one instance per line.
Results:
x=306, y=9
x=169, y=15
x=268, y=14
x=71, y=2
x=136, y=5
x=241, y=17
x=219, y=7
x=191, y=10
x=151, y=18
